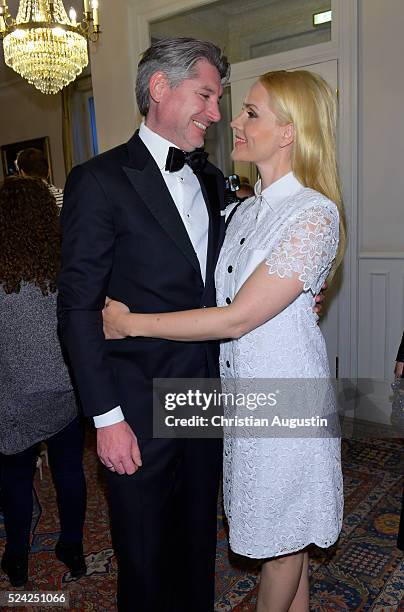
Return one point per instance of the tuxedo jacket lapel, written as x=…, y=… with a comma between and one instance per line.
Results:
x=209, y=186
x=145, y=176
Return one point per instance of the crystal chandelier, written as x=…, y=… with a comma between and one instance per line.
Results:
x=44, y=44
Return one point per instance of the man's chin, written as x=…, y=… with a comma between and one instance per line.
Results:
x=189, y=148
x=196, y=143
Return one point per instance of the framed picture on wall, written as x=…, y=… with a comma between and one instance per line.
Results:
x=9, y=153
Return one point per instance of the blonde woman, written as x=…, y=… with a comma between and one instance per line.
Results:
x=280, y=494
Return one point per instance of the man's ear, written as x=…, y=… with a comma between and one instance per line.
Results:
x=158, y=85
x=288, y=135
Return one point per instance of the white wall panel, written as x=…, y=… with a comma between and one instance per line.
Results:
x=381, y=321
x=381, y=129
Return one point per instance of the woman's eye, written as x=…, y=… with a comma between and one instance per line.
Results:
x=251, y=115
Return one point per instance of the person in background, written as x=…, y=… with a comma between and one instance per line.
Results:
x=33, y=163
x=234, y=197
x=281, y=494
x=399, y=373
x=399, y=369
x=246, y=190
x=37, y=401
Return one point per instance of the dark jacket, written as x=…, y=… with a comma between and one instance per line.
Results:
x=123, y=237
x=400, y=354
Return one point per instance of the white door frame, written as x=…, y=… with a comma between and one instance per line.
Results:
x=343, y=47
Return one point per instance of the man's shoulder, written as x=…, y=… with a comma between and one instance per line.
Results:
x=104, y=161
x=117, y=156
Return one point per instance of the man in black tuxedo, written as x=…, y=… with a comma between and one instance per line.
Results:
x=141, y=229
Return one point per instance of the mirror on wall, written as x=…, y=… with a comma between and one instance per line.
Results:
x=247, y=29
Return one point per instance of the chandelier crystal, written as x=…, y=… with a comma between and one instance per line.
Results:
x=45, y=45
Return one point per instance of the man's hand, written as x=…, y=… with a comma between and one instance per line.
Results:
x=318, y=307
x=118, y=449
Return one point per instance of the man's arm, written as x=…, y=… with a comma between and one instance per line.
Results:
x=88, y=236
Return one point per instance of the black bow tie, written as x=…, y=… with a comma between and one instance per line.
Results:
x=176, y=159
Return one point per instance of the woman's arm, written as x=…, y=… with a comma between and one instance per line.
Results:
x=260, y=298
x=303, y=252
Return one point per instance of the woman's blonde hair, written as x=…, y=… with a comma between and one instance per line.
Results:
x=304, y=99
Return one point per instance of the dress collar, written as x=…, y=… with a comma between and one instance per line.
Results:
x=157, y=145
x=276, y=193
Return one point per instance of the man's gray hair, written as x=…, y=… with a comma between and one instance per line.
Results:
x=176, y=57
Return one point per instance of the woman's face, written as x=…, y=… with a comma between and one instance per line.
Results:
x=258, y=137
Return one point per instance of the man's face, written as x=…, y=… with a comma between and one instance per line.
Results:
x=184, y=113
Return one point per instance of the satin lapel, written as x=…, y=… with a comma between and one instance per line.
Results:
x=151, y=188
x=209, y=186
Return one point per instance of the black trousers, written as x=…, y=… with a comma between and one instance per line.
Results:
x=163, y=524
x=65, y=452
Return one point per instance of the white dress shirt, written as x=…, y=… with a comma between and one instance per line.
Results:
x=186, y=192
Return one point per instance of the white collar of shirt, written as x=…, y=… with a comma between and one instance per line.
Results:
x=157, y=145
x=275, y=194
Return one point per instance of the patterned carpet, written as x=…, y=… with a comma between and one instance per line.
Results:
x=364, y=571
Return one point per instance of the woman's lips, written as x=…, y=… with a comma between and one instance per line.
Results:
x=239, y=141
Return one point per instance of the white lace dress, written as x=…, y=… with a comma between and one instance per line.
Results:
x=280, y=494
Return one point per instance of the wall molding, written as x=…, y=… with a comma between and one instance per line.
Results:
x=381, y=320
x=379, y=303
x=345, y=14
x=381, y=255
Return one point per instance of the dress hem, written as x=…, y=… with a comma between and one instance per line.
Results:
x=287, y=552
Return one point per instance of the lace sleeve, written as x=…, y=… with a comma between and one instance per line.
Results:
x=307, y=247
